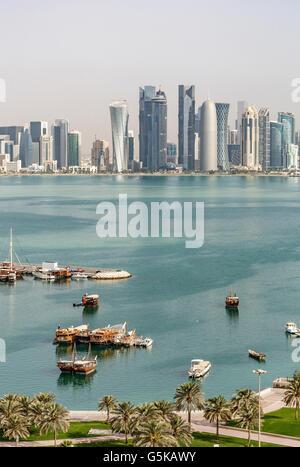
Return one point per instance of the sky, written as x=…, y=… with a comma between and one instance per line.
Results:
x=72, y=58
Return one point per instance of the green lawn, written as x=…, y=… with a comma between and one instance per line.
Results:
x=76, y=430
x=282, y=422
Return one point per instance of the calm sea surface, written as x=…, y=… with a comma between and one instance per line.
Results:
x=252, y=241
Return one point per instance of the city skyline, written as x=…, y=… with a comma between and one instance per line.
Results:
x=239, y=69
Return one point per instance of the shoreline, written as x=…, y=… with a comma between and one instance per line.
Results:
x=141, y=174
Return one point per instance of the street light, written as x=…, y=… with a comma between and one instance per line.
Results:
x=259, y=373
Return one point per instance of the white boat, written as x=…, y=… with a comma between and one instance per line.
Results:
x=44, y=276
x=144, y=342
x=79, y=276
x=199, y=368
x=291, y=328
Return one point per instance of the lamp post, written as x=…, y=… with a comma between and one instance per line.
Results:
x=259, y=373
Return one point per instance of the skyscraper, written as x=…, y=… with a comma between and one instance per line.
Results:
x=100, y=154
x=288, y=121
x=264, y=138
x=46, y=149
x=119, y=124
x=60, y=132
x=250, y=139
x=157, y=154
x=131, y=145
x=146, y=95
x=241, y=109
x=26, y=149
x=38, y=129
x=208, y=137
x=186, y=126
x=222, y=122
x=74, y=148
x=276, y=145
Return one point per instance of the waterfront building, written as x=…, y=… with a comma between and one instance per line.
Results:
x=222, y=134
x=250, y=139
x=292, y=154
x=232, y=136
x=60, y=132
x=241, y=109
x=119, y=123
x=14, y=133
x=197, y=121
x=26, y=149
x=36, y=153
x=288, y=121
x=276, y=145
x=100, y=155
x=131, y=145
x=186, y=126
x=208, y=137
x=172, y=153
x=146, y=95
x=264, y=138
x=234, y=154
x=46, y=149
x=74, y=148
x=38, y=129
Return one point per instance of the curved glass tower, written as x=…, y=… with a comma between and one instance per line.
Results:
x=222, y=119
x=119, y=125
x=208, y=137
x=276, y=145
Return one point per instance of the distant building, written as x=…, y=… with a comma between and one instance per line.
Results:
x=250, y=139
x=26, y=149
x=60, y=132
x=74, y=148
x=100, y=155
x=276, y=145
x=234, y=154
x=146, y=95
x=186, y=126
x=241, y=109
x=232, y=136
x=172, y=153
x=292, y=156
x=119, y=123
x=38, y=129
x=208, y=137
x=46, y=149
x=131, y=145
x=288, y=121
x=222, y=134
x=13, y=131
x=264, y=138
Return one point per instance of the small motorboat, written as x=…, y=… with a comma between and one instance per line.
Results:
x=258, y=356
x=79, y=276
x=144, y=342
x=44, y=275
x=291, y=328
x=199, y=368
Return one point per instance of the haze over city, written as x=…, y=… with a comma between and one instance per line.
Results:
x=71, y=59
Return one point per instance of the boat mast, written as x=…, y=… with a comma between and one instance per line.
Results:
x=11, y=249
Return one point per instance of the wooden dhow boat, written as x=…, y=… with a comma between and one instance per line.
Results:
x=232, y=301
x=68, y=335
x=258, y=356
x=84, y=366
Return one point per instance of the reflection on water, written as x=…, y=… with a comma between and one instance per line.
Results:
x=67, y=379
x=90, y=310
x=233, y=314
x=103, y=353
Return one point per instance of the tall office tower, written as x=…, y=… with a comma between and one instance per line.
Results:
x=119, y=124
x=131, y=145
x=232, y=136
x=288, y=121
x=234, y=154
x=197, y=152
x=38, y=129
x=100, y=154
x=250, y=139
x=74, y=148
x=292, y=156
x=60, y=132
x=208, y=137
x=222, y=122
x=186, y=126
x=172, y=153
x=46, y=149
x=26, y=149
x=264, y=138
x=14, y=132
x=157, y=156
x=36, y=153
x=197, y=121
x=146, y=95
x=276, y=145
x=241, y=109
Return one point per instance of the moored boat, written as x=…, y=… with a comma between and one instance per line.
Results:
x=232, y=301
x=199, y=368
x=83, y=366
x=68, y=335
x=88, y=301
x=79, y=276
x=291, y=328
x=258, y=356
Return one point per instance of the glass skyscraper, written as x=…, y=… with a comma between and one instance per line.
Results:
x=119, y=124
x=276, y=145
x=264, y=138
x=74, y=148
x=26, y=149
x=186, y=126
x=222, y=122
x=146, y=95
x=60, y=132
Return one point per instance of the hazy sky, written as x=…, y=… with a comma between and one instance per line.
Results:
x=71, y=58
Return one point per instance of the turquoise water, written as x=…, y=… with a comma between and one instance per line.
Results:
x=176, y=296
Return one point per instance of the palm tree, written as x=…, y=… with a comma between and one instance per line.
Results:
x=248, y=418
x=292, y=396
x=217, y=409
x=9, y=405
x=181, y=430
x=45, y=397
x=15, y=427
x=155, y=434
x=25, y=403
x=241, y=399
x=165, y=409
x=108, y=403
x=36, y=413
x=143, y=413
x=189, y=397
x=123, y=416
x=54, y=418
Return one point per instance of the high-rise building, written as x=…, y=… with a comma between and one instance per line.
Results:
x=222, y=122
x=197, y=121
x=241, y=109
x=46, y=149
x=172, y=153
x=74, y=148
x=100, y=154
x=119, y=124
x=26, y=149
x=131, y=145
x=157, y=155
x=288, y=121
x=250, y=139
x=292, y=156
x=146, y=95
x=186, y=126
x=208, y=137
x=13, y=131
x=38, y=129
x=264, y=138
x=60, y=132
x=234, y=154
x=232, y=136
x=276, y=145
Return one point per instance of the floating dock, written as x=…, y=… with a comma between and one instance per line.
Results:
x=92, y=273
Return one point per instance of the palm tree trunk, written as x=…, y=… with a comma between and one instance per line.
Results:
x=218, y=428
x=126, y=433
x=54, y=437
x=249, y=437
x=189, y=414
x=17, y=441
x=107, y=415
